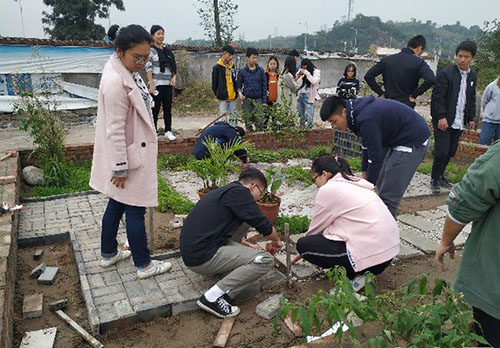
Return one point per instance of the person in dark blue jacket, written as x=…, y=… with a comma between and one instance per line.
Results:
x=223, y=133
x=401, y=73
x=394, y=137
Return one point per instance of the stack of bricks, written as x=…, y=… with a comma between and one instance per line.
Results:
x=9, y=192
x=312, y=139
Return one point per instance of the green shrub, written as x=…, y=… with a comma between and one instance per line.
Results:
x=174, y=162
x=293, y=153
x=297, y=173
x=319, y=151
x=78, y=181
x=171, y=200
x=354, y=163
x=298, y=224
x=257, y=155
x=425, y=168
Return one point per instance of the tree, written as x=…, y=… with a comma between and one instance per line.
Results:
x=488, y=56
x=75, y=19
x=216, y=18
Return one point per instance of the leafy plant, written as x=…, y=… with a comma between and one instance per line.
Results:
x=48, y=137
x=258, y=155
x=318, y=151
x=297, y=173
x=293, y=153
x=274, y=179
x=174, y=162
x=214, y=170
x=297, y=224
x=171, y=200
x=354, y=163
x=412, y=316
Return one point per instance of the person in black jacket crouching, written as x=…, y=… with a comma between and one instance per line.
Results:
x=453, y=107
x=211, y=241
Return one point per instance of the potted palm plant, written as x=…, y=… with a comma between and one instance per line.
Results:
x=269, y=202
x=214, y=170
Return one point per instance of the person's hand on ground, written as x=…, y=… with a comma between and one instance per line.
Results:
x=296, y=259
x=118, y=182
x=441, y=250
x=443, y=124
x=275, y=238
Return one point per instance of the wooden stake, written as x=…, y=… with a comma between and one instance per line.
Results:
x=224, y=332
x=295, y=328
x=208, y=125
x=74, y=325
x=151, y=230
x=287, y=249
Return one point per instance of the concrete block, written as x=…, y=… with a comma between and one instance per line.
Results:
x=39, y=339
x=271, y=279
x=414, y=238
x=37, y=271
x=38, y=254
x=32, y=306
x=48, y=276
x=432, y=214
x=418, y=222
x=301, y=269
x=178, y=308
x=405, y=250
x=269, y=308
x=296, y=237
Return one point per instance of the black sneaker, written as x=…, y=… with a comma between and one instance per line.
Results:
x=220, y=308
x=228, y=299
x=445, y=183
x=435, y=187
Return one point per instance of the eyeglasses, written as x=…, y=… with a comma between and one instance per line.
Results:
x=140, y=59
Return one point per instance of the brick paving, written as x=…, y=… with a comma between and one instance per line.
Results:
x=114, y=296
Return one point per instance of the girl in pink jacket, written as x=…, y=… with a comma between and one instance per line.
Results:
x=351, y=226
x=125, y=150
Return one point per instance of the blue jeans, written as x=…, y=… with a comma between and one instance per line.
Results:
x=306, y=110
x=136, y=231
x=228, y=107
x=489, y=130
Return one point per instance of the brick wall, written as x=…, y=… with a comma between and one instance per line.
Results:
x=468, y=152
x=8, y=251
x=313, y=138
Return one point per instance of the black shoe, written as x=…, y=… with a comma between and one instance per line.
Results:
x=228, y=299
x=445, y=183
x=220, y=308
x=435, y=187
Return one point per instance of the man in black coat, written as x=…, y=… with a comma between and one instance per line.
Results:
x=224, y=85
x=453, y=106
x=401, y=73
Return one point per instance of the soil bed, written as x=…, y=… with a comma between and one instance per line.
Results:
x=66, y=286
x=166, y=238
x=415, y=204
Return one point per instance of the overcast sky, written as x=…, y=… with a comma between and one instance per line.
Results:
x=258, y=18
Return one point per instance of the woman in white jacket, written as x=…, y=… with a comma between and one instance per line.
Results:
x=309, y=76
x=491, y=113
x=290, y=84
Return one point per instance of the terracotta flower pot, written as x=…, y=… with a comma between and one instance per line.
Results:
x=271, y=210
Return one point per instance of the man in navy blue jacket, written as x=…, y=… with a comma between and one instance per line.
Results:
x=223, y=133
x=394, y=139
x=402, y=72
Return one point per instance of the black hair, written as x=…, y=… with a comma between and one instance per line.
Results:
x=228, y=49
x=131, y=36
x=240, y=131
x=290, y=66
x=332, y=105
x=277, y=64
x=155, y=28
x=309, y=67
x=332, y=165
x=416, y=41
x=350, y=66
x=293, y=53
x=469, y=46
x=250, y=174
x=252, y=52
x=112, y=31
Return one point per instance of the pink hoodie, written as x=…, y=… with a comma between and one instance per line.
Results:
x=352, y=212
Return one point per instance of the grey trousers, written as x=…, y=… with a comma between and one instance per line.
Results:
x=396, y=173
x=242, y=265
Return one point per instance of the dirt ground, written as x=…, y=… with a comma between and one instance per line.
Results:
x=66, y=285
x=166, y=238
x=412, y=205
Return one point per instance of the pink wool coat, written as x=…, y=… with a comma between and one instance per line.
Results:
x=125, y=138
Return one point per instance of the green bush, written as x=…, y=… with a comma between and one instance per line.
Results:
x=257, y=155
x=298, y=224
x=197, y=97
x=78, y=181
x=293, y=153
x=425, y=168
x=171, y=200
x=297, y=173
x=174, y=162
x=319, y=151
x=354, y=163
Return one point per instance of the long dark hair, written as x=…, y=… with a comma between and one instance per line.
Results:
x=128, y=37
x=290, y=66
x=350, y=66
x=309, y=67
x=332, y=165
x=277, y=64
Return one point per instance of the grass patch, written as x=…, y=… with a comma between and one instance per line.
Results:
x=293, y=153
x=171, y=200
x=318, y=151
x=78, y=181
x=174, y=162
x=354, y=163
x=454, y=172
x=298, y=224
x=297, y=173
x=197, y=97
x=266, y=156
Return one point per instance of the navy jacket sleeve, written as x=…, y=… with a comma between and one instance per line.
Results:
x=427, y=75
x=371, y=136
x=239, y=81
x=371, y=74
x=438, y=99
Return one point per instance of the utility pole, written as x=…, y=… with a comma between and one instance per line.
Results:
x=350, y=10
x=22, y=18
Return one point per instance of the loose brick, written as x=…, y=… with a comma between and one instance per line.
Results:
x=48, y=276
x=269, y=308
x=38, y=270
x=39, y=339
x=32, y=306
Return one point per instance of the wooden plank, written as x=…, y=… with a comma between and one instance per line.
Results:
x=287, y=249
x=224, y=332
x=295, y=328
x=93, y=342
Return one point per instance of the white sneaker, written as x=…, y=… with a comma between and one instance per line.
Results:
x=155, y=268
x=170, y=136
x=120, y=255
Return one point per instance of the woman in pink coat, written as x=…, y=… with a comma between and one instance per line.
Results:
x=351, y=226
x=125, y=151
